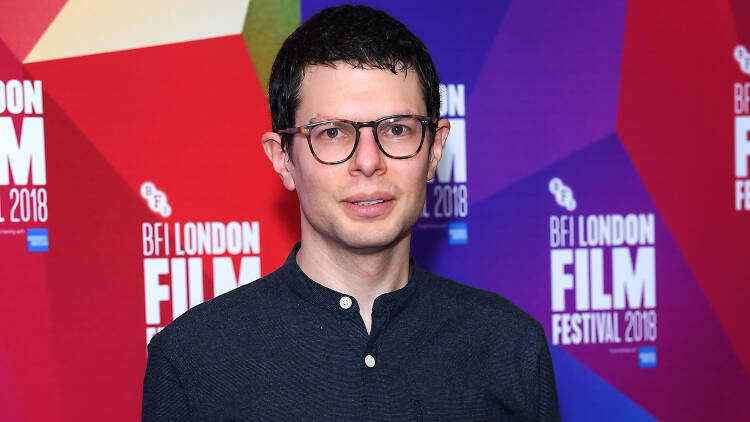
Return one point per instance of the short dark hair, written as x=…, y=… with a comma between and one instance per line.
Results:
x=357, y=35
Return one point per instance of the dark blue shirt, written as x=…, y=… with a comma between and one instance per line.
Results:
x=287, y=348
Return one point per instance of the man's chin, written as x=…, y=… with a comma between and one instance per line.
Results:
x=374, y=241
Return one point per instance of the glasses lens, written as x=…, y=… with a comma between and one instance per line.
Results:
x=400, y=136
x=333, y=141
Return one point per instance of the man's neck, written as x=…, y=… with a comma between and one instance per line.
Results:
x=363, y=275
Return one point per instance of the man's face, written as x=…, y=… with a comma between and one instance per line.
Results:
x=336, y=200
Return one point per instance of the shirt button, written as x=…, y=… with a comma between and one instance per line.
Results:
x=369, y=361
x=345, y=302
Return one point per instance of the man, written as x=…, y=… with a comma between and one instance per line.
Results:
x=349, y=328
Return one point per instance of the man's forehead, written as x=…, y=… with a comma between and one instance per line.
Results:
x=331, y=86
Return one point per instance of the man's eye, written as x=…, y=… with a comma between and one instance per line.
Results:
x=332, y=132
x=396, y=130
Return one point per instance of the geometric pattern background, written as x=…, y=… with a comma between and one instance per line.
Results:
x=631, y=104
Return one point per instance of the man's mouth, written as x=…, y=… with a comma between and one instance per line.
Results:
x=369, y=204
x=377, y=201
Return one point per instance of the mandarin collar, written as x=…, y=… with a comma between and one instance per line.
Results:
x=324, y=297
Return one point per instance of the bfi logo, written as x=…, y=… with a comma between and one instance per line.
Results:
x=741, y=105
x=447, y=194
x=741, y=154
x=18, y=155
x=23, y=167
x=453, y=106
x=178, y=255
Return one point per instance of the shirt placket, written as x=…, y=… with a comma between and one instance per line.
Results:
x=367, y=346
x=374, y=371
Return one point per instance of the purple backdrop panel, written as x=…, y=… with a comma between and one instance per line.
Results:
x=548, y=87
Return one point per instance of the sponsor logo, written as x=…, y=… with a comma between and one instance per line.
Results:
x=458, y=233
x=647, y=357
x=37, y=240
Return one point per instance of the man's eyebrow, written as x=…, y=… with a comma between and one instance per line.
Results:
x=322, y=118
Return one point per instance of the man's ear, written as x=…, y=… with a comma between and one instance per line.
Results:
x=436, y=152
x=278, y=157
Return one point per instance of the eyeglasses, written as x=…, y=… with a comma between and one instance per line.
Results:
x=334, y=141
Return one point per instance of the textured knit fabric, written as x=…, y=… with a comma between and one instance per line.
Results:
x=285, y=348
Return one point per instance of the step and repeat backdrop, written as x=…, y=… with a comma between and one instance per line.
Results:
x=596, y=175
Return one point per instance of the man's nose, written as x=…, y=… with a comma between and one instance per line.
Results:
x=368, y=159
